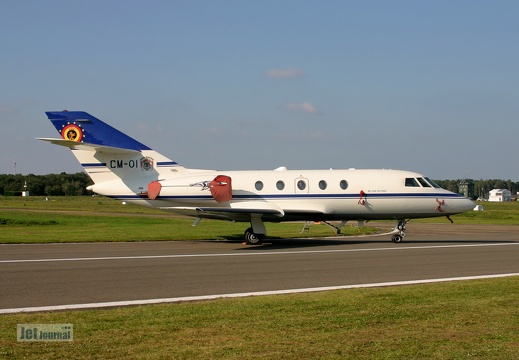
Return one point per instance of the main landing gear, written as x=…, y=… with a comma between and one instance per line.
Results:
x=252, y=238
x=399, y=231
x=256, y=233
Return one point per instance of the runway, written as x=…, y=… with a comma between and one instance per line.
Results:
x=36, y=276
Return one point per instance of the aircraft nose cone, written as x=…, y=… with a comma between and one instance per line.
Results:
x=466, y=205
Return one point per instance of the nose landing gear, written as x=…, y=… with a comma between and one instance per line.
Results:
x=399, y=231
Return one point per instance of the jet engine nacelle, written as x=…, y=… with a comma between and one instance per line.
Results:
x=220, y=188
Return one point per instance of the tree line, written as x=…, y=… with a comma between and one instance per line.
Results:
x=46, y=185
x=481, y=187
x=75, y=184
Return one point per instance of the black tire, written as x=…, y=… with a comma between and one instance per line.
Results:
x=253, y=239
x=397, y=239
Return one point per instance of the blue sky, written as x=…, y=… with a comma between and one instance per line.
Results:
x=428, y=86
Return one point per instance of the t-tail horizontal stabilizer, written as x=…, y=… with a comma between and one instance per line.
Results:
x=81, y=127
x=89, y=147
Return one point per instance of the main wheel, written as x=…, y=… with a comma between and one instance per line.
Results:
x=253, y=239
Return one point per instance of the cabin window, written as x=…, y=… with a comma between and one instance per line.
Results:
x=259, y=185
x=411, y=182
x=423, y=182
x=280, y=185
x=322, y=185
x=301, y=185
x=343, y=184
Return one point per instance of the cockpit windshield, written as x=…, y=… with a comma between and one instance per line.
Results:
x=424, y=182
x=434, y=185
x=411, y=182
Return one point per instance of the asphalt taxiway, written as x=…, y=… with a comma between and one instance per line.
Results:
x=54, y=276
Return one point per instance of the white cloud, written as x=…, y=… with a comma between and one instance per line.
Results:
x=7, y=109
x=289, y=73
x=143, y=127
x=316, y=135
x=213, y=131
x=305, y=107
x=146, y=128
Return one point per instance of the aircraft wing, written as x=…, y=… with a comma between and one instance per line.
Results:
x=235, y=211
x=87, y=146
x=279, y=213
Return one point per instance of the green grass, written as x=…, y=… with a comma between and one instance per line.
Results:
x=473, y=319
x=26, y=227
x=92, y=219
x=459, y=320
x=73, y=203
x=494, y=213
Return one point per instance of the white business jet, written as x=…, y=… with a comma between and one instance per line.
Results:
x=123, y=168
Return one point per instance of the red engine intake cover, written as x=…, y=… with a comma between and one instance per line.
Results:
x=154, y=188
x=221, y=188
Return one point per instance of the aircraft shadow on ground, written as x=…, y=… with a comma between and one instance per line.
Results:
x=278, y=243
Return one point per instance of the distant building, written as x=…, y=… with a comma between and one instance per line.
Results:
x=25, y=192
x=499, y=195
x=466, y=188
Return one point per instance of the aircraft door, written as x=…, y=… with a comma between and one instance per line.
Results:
x=301, y=185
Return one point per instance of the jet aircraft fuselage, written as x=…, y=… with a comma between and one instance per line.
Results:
x=125, y=169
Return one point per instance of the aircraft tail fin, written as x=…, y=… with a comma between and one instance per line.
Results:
x=108, y=155
x=81, y=127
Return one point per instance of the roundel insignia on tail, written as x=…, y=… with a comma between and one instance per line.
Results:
x=72, y=132
x=146, y=163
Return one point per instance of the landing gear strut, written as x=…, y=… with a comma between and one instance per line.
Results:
x=399, y=231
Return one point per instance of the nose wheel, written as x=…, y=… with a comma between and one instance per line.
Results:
x=397, y=238
x=399, y=230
